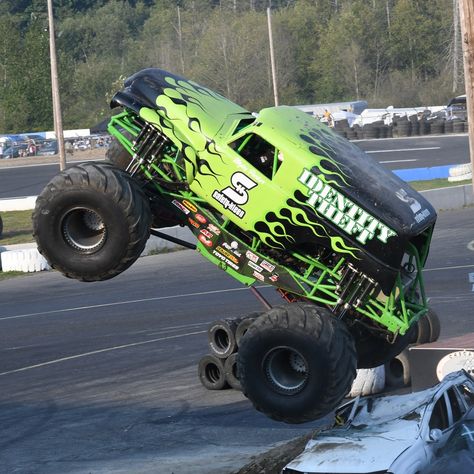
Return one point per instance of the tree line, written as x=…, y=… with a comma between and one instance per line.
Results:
x=388, y=52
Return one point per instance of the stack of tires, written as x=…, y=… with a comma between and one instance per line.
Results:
x=397, y=371
x=425, y=127
x=402, y=127
x=437, y=127
x=218, y=369
x=458, y=126
x=371, y=131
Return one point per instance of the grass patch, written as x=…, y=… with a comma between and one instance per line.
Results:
x=17, y=227
x=8, y=275
x=436, y=183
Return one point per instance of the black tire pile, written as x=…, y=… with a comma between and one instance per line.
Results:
x=218, y=369
x=400, y=127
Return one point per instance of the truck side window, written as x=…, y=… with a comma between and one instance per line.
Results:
x=439, y=417
x=456, y=408
x=259, y=153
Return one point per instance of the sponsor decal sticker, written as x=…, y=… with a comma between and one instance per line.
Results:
x=236, y=195
x=201, y=218
x=224, y=258
x=267, y=266
x=206, y=233
x=251, y=256
x=255, y=267
x=204, y=240
x=190, y=205
x=214, y=229
x=194, y=223
x=233, y=247
x=180, y=206
x=258, y=276
x=274, y=278
x=227, y=254
x=341, y=211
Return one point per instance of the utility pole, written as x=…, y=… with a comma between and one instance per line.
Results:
x=180, y=39
x=58, y=121
x=272, y=56
x=455, y=45
x=467, y=33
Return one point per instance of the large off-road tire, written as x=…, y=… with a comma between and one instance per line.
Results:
x=373, y=351
x=91, y=221
x=117, y=154
x=435, y=325
x=422, y=333
x=296, y=362
x=428, y=328
x=244, y=324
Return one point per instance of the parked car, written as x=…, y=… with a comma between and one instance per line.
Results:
x=457, y=455
x=14, y=151
x=48, y=148
x=398, y=434
x=456, y=108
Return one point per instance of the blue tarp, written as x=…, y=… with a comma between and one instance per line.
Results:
x=424, y=174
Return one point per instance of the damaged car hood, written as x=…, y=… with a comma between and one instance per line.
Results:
x=356, y=452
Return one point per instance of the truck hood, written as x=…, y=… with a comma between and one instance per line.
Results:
x=163, y=92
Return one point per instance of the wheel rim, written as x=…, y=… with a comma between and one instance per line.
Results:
x=286, y=370
x=84, y=229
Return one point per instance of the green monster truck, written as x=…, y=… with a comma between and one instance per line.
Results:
x=276, y=198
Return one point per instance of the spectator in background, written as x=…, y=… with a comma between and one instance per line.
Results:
x=69, y=148
x=328, y=118
x=32, y=148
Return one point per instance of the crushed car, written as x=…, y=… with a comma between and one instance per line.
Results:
x=397, y=434
x=457, y=455
x=275, y=198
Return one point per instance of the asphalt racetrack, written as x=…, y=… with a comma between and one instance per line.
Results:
x=102, y=377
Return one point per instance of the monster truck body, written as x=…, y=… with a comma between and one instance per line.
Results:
x=327, y=222
x=276, y=198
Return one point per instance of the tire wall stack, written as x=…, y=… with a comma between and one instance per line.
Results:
x=217, y=370
x=401, y=127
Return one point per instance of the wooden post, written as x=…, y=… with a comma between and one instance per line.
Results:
x=272, y=56
x=58, y=121
x=467, y=32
